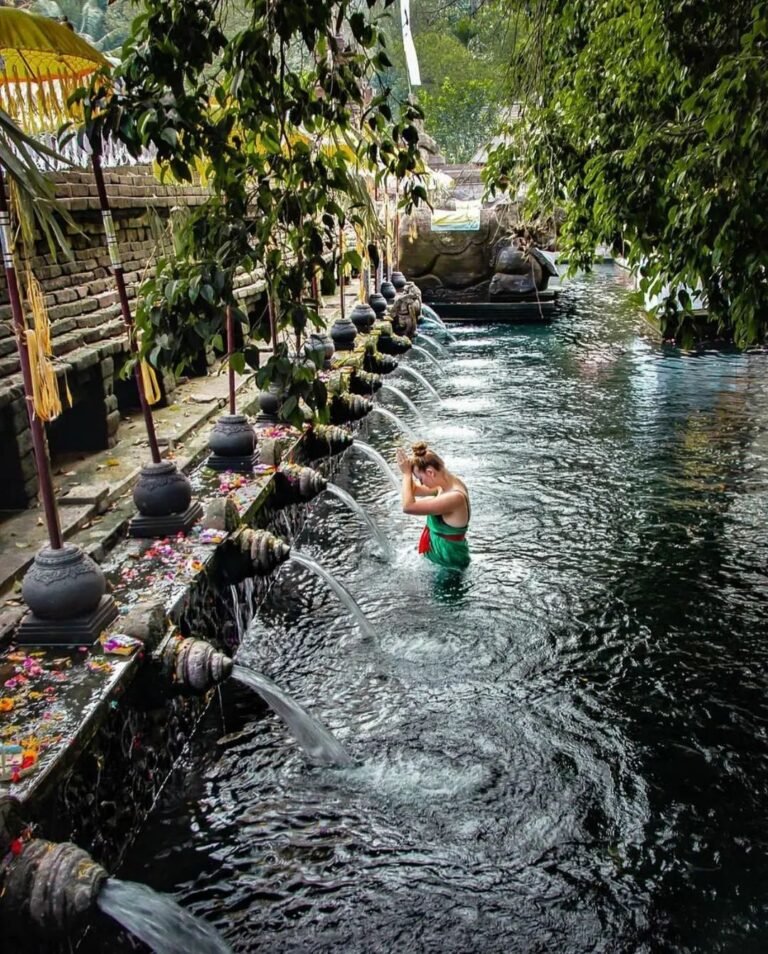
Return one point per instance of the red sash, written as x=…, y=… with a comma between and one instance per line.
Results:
x=425, y=543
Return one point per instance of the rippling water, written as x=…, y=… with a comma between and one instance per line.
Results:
x=564, y=749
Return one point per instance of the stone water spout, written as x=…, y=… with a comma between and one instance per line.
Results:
x=379, y=363
x=349, y=407
x=50, y=890
x=389, y=342
x=364, y=382
x=250, y=552
x=195, y=664
x=295, y=483
x=325, y=440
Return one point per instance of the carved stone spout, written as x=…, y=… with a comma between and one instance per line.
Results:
x=195, y=664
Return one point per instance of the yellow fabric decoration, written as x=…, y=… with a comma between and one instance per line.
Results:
x=363, y=253
x=151, y=386
x=46, y=400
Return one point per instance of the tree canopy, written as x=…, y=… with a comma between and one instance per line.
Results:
x=647, y=124
x=276, y=110
x=464, y=51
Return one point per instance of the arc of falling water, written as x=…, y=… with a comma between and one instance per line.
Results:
x=410, y=372
x=355, y=507
x=345, y=597
x=157, y=920
x=372, y=454
x=428, y=312
x=431, y=341
x=318, y=742
x=405, y=399
x=429, y=357
x=400, y=425
x=438, y=324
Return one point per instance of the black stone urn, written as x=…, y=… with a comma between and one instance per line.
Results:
x=316, y=341
x=232, y=436
x=161, y=490
x=62, y=584
x=398, y=280
x=270, y=402
x=379, y=304
x=343, y=334
x=363, y=317
x=388, y=290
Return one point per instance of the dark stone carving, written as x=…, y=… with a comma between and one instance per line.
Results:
x=343, y=334
x=489, y=264
x=378, y=363
x=362, y=317
x=294, y=484
x=364, y=382
x=161, y=490
x=51, y=887
x=195, y=664
x=63, y=583
x=379, y=304
x=232, y=436
x=349, y=407
x=519, y=274
x=323, y=440
x=389, y=343
x=406, y=310
x=252, y=552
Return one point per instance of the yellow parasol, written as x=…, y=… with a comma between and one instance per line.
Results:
x=42, y=63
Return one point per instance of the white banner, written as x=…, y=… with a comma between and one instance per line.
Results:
x=411, y=59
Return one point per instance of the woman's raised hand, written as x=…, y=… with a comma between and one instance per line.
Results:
x=404, y=461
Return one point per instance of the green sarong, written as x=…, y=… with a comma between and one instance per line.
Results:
x=443, y=544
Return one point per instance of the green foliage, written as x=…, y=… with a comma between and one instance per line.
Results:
x=276, y=113
x=463, y=50
x=647, y=124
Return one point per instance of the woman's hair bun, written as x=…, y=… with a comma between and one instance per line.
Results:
x=420, y=448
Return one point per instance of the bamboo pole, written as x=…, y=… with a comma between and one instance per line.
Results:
x=118, y=272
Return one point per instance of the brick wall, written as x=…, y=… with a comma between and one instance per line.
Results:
x=89, y=336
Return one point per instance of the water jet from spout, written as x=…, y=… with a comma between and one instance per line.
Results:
x=419, y=377
x=376, y=532
x=345, y=597
x=157, y=920
x=372, y=454
x=405, y=399
x=400, y=425
x=432, y=342
x=320, y=745
x=429, y=357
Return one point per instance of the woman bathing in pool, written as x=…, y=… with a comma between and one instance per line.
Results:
x=443, y=499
